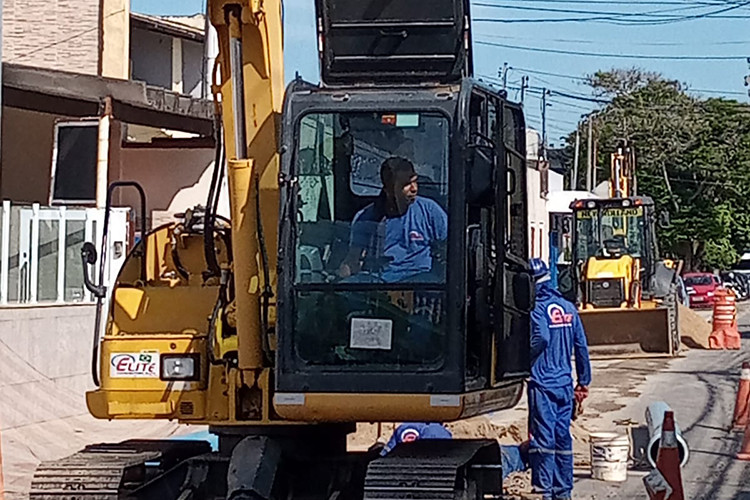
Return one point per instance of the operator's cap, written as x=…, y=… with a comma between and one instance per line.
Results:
x=539, y=268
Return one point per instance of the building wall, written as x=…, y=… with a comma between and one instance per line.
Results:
x=151, y=61
x=27, y=138
x=60, y=35
x=174, y=179
x=538, y=216
x=192, y=67
x=151, y=58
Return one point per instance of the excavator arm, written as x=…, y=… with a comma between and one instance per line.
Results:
x=251, y=92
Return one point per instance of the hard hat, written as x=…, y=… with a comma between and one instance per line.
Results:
x=539, y=268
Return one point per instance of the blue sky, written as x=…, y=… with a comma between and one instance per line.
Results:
x=696, y=37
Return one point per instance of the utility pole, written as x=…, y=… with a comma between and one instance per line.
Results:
x=574, y=179
x=544, y=122
x=524, y=86
x=504, y=75
x=590, y=155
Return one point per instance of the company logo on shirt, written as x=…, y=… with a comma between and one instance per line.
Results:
x=558, y=318
x=415, y=236
x=409, y=435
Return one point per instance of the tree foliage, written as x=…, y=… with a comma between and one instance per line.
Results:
x=693, y=159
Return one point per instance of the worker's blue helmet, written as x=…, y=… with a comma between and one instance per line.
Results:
x=539, y=268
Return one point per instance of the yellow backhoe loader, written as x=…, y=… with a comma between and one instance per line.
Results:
x=284, y=326
x=627, y=295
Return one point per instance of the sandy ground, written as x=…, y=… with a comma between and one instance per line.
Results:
x=43, y=419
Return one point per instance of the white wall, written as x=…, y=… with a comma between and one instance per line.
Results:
x=538, y=216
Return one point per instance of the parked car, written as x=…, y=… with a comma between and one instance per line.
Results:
x=737, y=282
x=701, y=288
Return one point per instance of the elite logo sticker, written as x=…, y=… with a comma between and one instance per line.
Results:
x=134, y=365
x=558, y=318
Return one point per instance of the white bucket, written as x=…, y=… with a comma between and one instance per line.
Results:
x=609, y=456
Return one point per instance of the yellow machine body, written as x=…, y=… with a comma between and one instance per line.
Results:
x=619, y=311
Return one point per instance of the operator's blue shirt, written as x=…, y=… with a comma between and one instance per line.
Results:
x=405, y=240
x=556, y=334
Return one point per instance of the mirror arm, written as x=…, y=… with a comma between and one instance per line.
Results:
x=87, y=258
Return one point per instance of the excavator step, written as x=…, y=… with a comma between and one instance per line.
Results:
x=436, y=470
x=108, y=471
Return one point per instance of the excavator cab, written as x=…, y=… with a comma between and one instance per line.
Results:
x=441, y=310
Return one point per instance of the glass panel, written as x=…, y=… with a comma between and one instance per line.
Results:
x=75, y=231
x=611, y=232
x=374, y=327
x=372, y=199
x=17, y=258
x=48, y=249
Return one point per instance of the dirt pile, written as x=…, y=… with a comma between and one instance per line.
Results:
x=694, y=330
x=472, y=428
x=484, y=428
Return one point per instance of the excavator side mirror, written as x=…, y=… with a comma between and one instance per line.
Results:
x=89, y=257
x=88, y=253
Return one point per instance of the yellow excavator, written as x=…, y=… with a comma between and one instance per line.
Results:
x=251, y=326
x=627, y=294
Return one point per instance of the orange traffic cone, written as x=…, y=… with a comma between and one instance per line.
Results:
x=744, y=453
x=668, y=458
x=741, y=416
x=725, y=334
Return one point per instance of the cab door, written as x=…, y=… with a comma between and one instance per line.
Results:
x=515, y=288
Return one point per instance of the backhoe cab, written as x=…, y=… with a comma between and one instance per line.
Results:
x=614, y=251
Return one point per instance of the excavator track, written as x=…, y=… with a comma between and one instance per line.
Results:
x=436, y=470
x=109, y=471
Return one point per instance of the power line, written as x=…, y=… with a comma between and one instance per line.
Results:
x=549, y=73
x=617, y=56
x=608, y=14
x=620, y=20
x=629, y=42
x=625, y=2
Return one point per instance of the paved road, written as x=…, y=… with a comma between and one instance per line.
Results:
x=701, y=388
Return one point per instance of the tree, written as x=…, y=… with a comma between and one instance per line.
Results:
x=693, y=159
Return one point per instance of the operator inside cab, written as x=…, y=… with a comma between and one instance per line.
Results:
x=398, y=236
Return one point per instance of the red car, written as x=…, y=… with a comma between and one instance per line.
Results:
x=701, y=288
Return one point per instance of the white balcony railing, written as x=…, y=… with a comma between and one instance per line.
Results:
x=40, y=252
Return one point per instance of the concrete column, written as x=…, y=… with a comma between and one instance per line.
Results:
x=115, y=39
x=102, y=161
x=177, y=65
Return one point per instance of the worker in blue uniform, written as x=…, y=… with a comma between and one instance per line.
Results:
x=514, y=458
x=557, y=333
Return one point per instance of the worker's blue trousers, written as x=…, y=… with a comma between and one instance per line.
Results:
x=551, y=450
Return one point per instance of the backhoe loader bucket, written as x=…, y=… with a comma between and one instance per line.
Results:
x=651, y=331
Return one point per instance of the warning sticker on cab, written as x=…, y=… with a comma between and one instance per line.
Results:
x=371, y=333
x=134, y=365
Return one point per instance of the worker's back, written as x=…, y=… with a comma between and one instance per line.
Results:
x=556, y=320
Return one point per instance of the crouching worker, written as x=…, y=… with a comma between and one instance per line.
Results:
x=514, y=458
